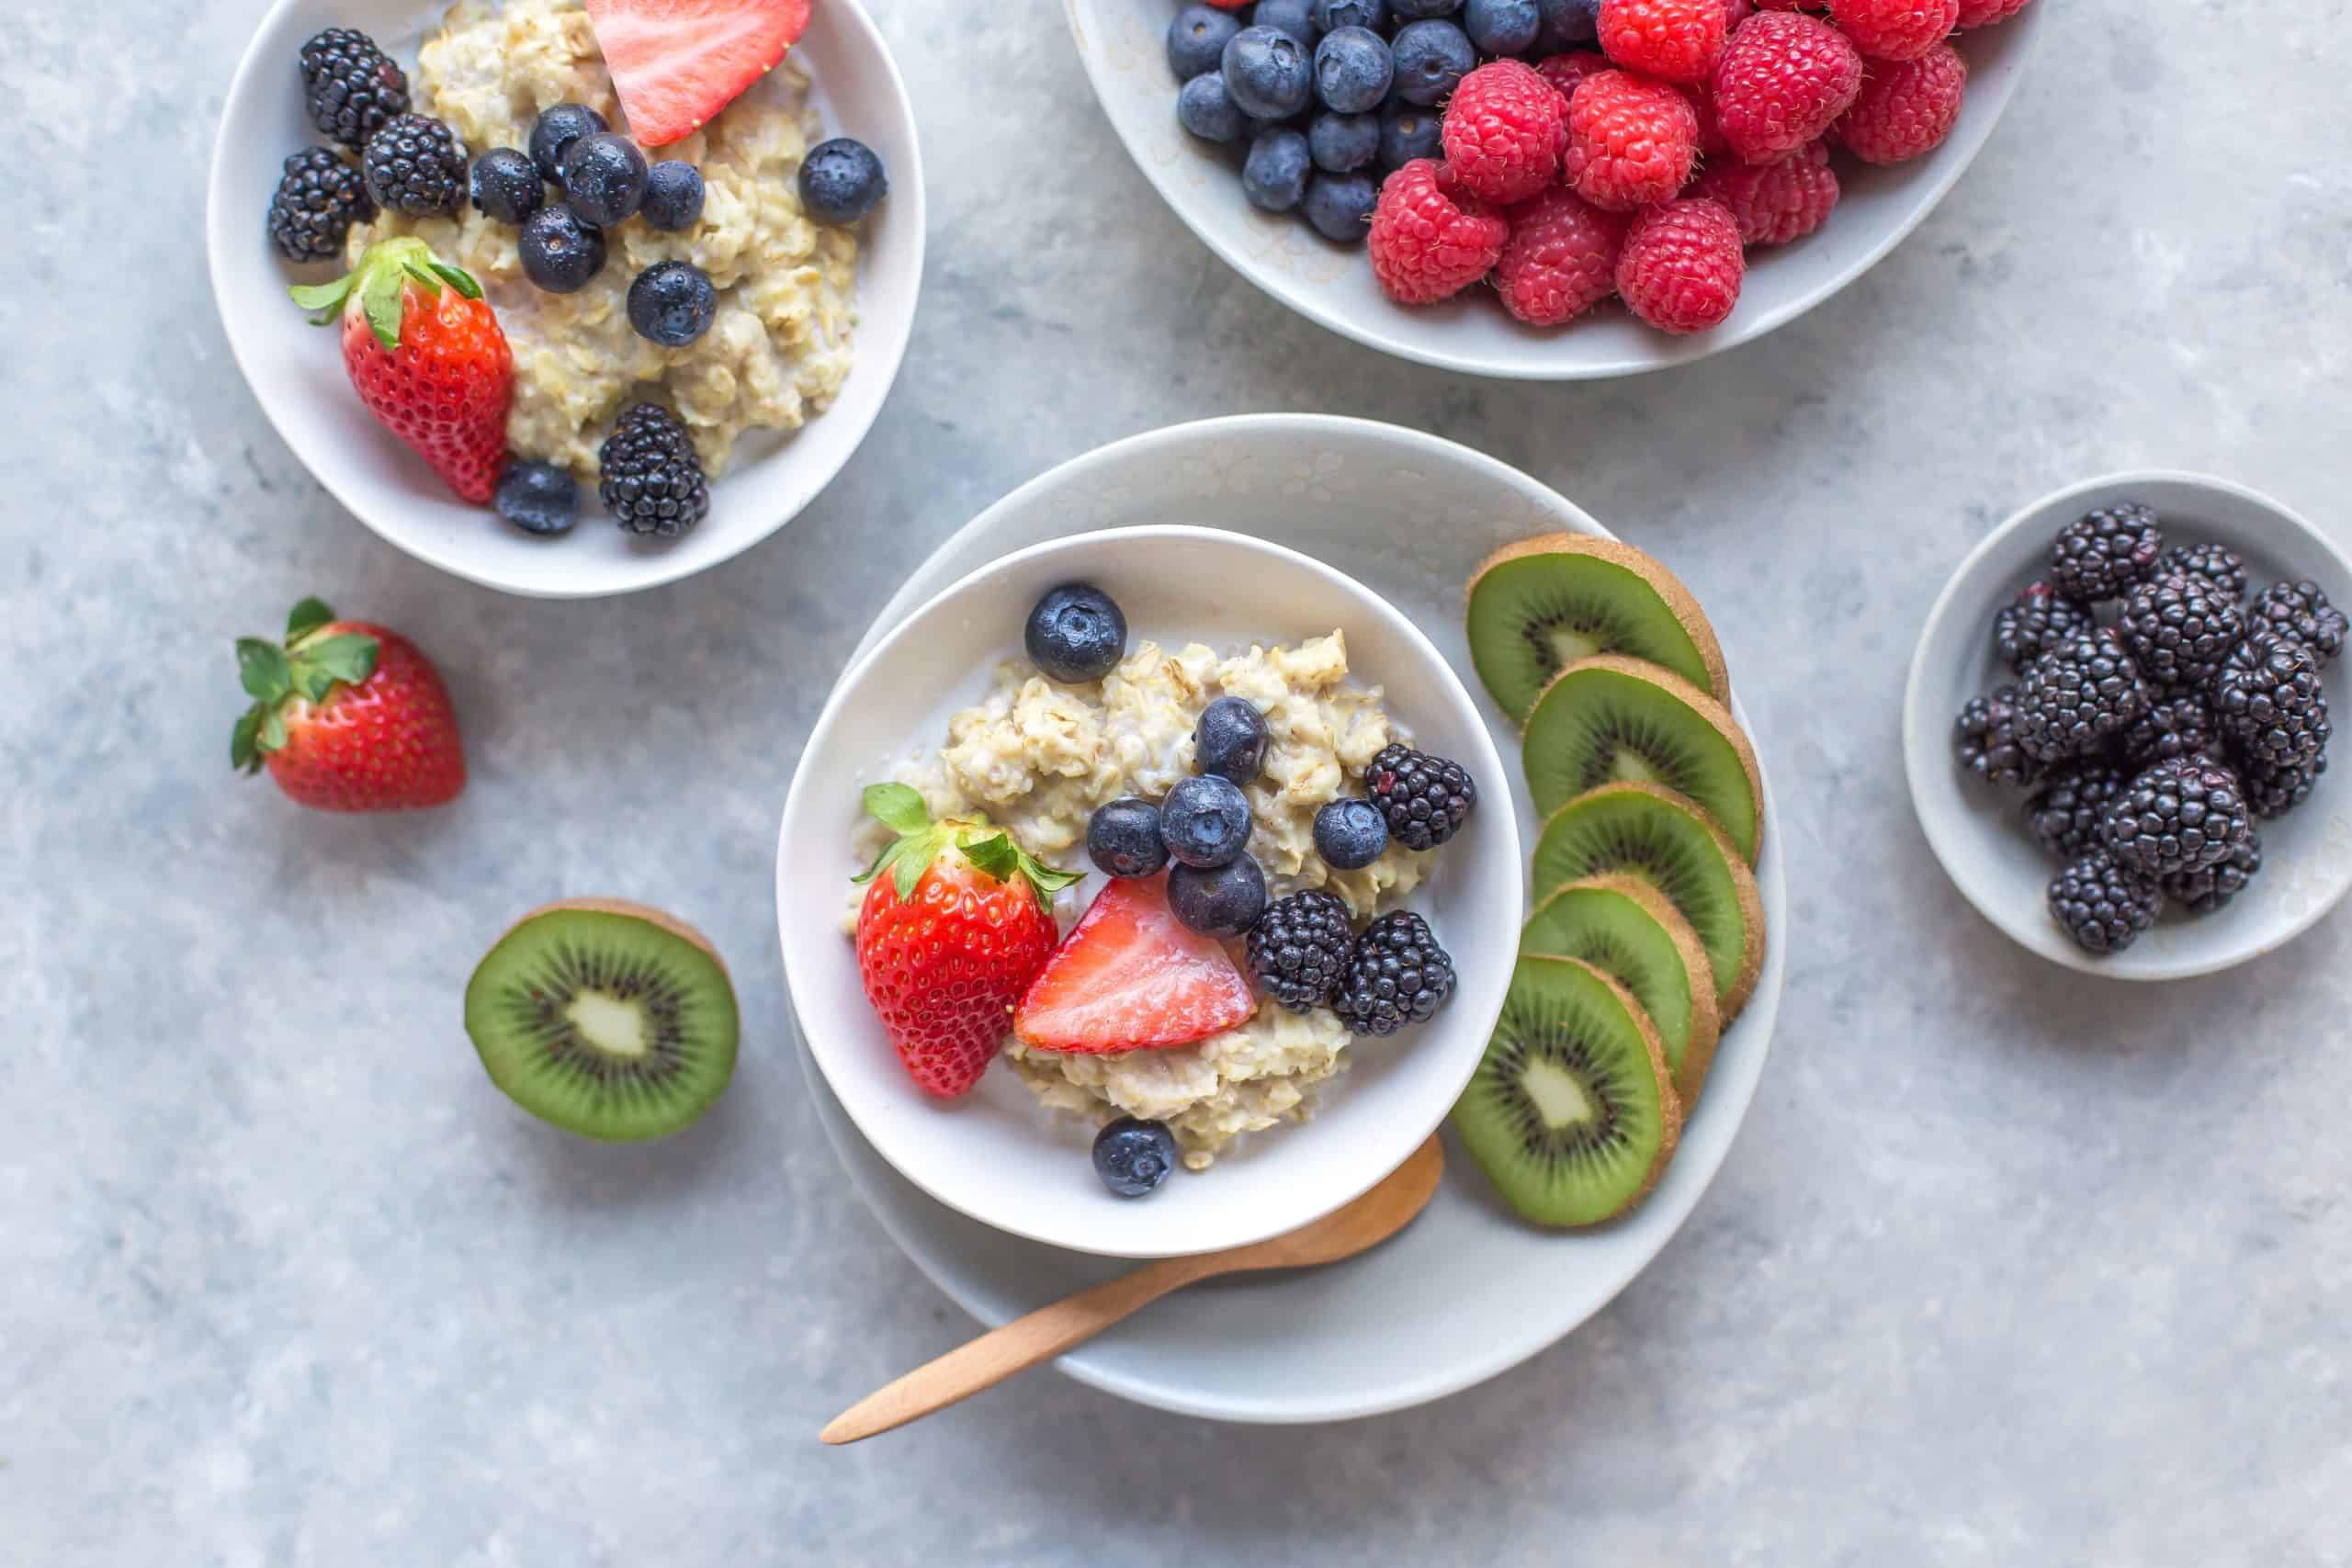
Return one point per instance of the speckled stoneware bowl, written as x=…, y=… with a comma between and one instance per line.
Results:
x=1123, y=45
x=1976, y=828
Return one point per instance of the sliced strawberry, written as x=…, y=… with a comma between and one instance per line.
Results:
x=676, y=63
x=1130, y=977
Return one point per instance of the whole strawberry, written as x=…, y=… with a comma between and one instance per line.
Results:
x=425, y=353
x=346, y=717
x=949, y=939
x=1782, y=83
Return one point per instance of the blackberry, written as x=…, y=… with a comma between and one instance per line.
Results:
x=1300, y=948
x=414, y=166
x=1397, y=974
x=1423, y=797
x=2269, y=702
x=2184, y=815
x=2101, y=905
x=2217, y=564
x=648, y=476
x=350, y=87
x=2036, y=621
x=2274, y=791
x=2103, y=553
x=2179, y=629
x=1984, y=741
x=2065, y=815
x=2301, y=611
x=318, y=197
x=2178, y=723
x=2078, y=695
x=2207, y=890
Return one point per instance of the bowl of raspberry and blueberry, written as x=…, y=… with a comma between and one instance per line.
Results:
x=1552, y=189
x=1164, y=903
x=2135, y=781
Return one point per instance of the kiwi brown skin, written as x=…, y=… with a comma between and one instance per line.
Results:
x=1706, y=1020
x=1680, y=602
x=1717, y=717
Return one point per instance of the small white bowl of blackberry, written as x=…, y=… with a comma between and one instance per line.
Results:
x=2154, y=694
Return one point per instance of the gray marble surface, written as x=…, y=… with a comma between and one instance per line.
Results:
x=2007, y=1267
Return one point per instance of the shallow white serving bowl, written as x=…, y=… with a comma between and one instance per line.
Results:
x=1976, y=830
x=1123, y=45
x=997, y=1156
x=1467, y=1291
x=295, y=370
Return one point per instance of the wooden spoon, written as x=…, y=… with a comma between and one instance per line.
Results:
x=1050, y=1330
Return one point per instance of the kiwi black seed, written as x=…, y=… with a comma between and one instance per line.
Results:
x=1571, y=1114
x=1627, y=929
x=606, y=1019
x=1542, y=604
x=1642, y=830
x=1608, y=719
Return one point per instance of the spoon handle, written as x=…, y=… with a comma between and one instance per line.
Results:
x=1001, y=1352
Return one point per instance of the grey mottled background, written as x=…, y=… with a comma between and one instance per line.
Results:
x=2007, y=1267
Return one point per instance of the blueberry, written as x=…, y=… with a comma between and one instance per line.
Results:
x=1205, y=820
x=1407, y=132
x=1339, y=206
x=1341, y=142
x=506, y=185
x=672, y=303
x=1293, y=19
x=1351, y=833
x=555, y=131
x=1229, y=740
x=1122, y=838
x=560, y=249
x=1500, y=27
x=1134, y=1157
x=1223, y=901
x=604, y=178
x=1208, y=111
x=1076, y=632
x=1332, y=15
x=1274, y=175
x=1431, y=58
x=1420, y=10
x=1566, y=24
x=673, y=194
x=841, y=180
x=1267, y=72
x=538, y=498
x=1196, y=39
x=1353, y=69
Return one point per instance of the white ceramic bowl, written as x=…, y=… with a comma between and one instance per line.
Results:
x=297, y=372
x=1123, y=45
x=996, y=1156
x=1975, y=828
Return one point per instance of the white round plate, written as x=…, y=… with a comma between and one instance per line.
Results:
x=295, y=370
x=1467, y=1290
x=1976, y=830
x=1122, y=44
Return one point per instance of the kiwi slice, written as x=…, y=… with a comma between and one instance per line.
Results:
x=1542, y=604
x=1608, y=719
x=1654, y=834
x=606, y=1019
x=1626, y=928
x=1570, y=1115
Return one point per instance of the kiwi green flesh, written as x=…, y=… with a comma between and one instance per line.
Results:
x=604, y=1024
x=1567, y=1113
x=1661, y=842
x=1533, y=618
x=1624, y=940
x=1596, y=727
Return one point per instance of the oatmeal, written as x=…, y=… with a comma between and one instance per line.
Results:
x=779, y=347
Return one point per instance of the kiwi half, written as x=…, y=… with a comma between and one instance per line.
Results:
x=1570, y=1115
x=1626, y=928
x=1608, y=719
x=1542, y=604
x=1665, y=841
x=606, y=1019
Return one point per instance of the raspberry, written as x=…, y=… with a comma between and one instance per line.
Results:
x=1503, y=132
x=1985, y=13
x=1631, y=141
x=1566, y=72
x=1678, y=40
x=1896, y=30
x=1682, y=267
x=1431, y=238
x=1905, y=108
x=1782, y=83
x=1561, y=259
x=1739, y=11
x=1774, y=203
x=1711, y=131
